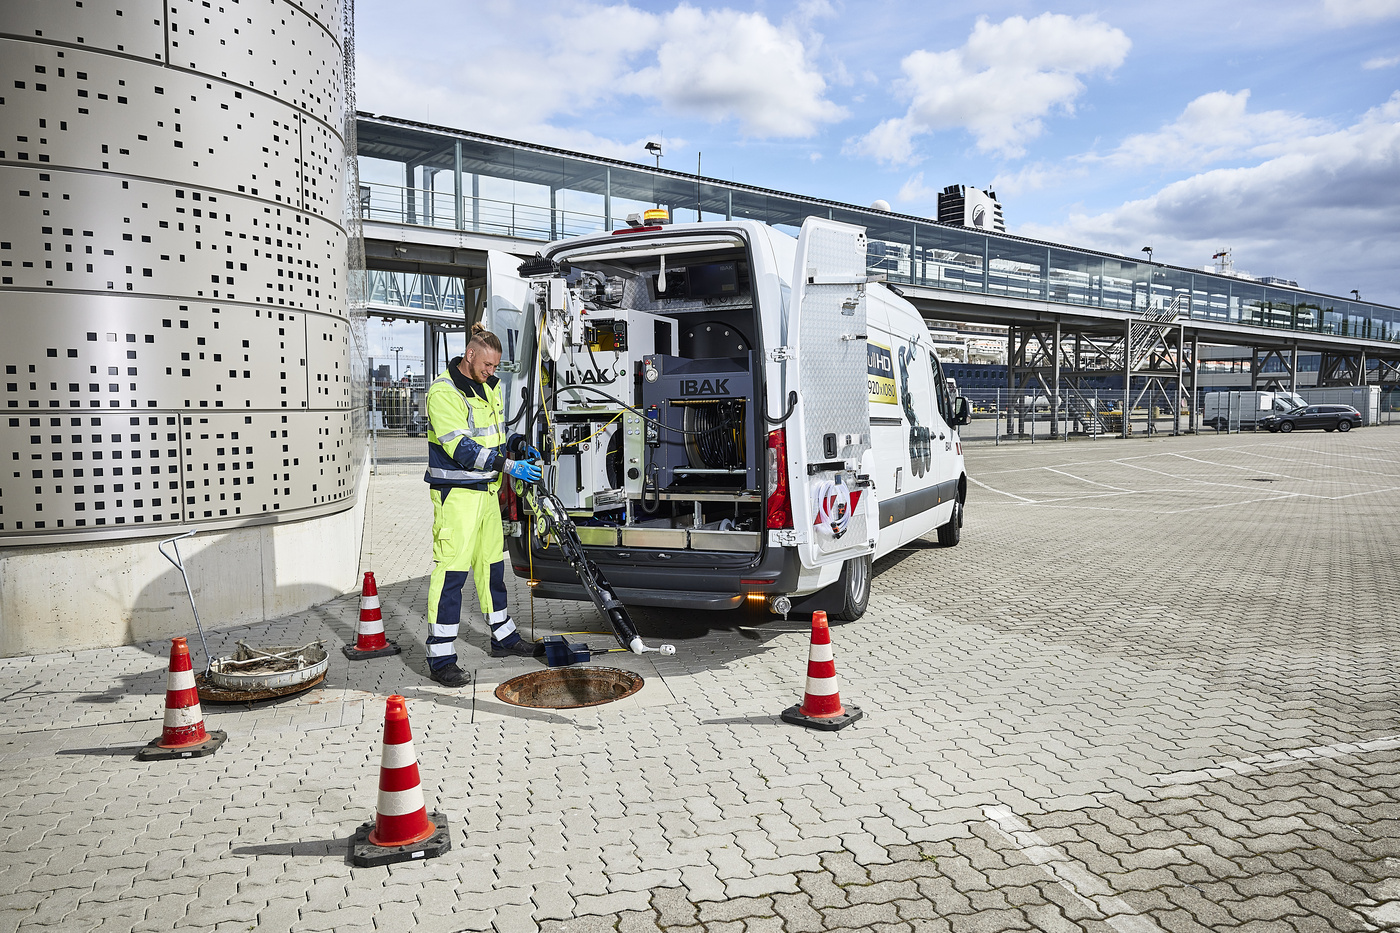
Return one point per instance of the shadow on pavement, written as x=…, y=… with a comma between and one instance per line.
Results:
x=334, y=847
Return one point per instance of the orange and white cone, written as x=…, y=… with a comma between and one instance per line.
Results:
x=402, y=827
x=183, y=735
x=821, y=703
x=369, y=638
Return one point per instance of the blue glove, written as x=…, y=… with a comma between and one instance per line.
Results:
x=533, y=453
x=526, y=470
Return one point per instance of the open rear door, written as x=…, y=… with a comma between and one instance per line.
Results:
x=829, y=431
x=509, y=313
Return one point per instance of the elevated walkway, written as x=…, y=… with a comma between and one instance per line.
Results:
x=463, y=193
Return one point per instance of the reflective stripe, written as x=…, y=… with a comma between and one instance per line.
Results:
x=443, y=631
x=175, y=717
x=821, y=653
x=441, y=650
x=486, y=431
x=483, y=456
x=372, y=627
x=444, y=381
x=451, y=436
x=400, y=802
x=179, y=680
x=503, y=631
x=366, y=602
x=497, y=617
x=823, y=686
x=398, y=756
x=468, y=476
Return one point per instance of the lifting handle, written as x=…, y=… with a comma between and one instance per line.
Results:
x=791, y=407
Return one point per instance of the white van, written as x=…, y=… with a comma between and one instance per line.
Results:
x=730, y=415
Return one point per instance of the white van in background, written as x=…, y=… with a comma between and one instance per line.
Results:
x=729, y=414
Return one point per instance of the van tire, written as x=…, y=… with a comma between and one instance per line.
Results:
x=853, y=589
x=951, y=533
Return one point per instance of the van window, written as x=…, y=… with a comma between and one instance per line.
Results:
x=941, y=392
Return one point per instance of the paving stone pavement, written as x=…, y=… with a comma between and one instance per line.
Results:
x=1154, y=689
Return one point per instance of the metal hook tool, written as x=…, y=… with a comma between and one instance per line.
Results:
x=180, y=566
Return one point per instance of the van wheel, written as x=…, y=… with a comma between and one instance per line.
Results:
x=950, y=534
x=854, y=589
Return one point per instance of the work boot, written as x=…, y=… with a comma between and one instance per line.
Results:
x=450, y=675
x=520, y=648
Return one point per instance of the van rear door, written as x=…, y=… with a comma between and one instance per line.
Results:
x=509, y=314
x=829, y=431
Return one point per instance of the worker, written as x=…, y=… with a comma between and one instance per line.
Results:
x=467, y=446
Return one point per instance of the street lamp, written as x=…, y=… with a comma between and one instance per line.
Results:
x=655, y=149
x=396, y=351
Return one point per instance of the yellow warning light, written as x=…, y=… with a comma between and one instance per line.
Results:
x=656, y=215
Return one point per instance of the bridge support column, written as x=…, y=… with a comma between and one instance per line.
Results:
x=458, y=208
x=1055, y=385
x=1127, y=375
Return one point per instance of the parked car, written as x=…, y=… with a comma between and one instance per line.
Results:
x=1327, y=417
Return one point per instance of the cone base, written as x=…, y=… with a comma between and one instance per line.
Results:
x=155, y=752
x=794, y=715
x=356, y=654
x=366, y=854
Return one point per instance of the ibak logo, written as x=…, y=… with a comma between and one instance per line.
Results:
x=704, y=387
x=589, y=377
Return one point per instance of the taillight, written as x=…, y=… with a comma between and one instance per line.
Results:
x=779, y=500
x=510, y=503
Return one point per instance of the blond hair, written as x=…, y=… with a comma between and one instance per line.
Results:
x=481, y=337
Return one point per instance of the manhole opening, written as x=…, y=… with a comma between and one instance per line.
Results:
x=569, y=688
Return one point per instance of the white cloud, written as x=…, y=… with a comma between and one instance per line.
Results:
x=914, y=192
x=531, y=70
x=999, y=85
x=1036, y=177
x=722, y=64
x=1325, y=212
x=1213, y=127
x=1347, y=12
x=1372, y=64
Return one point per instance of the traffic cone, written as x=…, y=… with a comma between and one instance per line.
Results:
x=821, y=705
x=183, y=735
x=369, y=640
x=402, y=829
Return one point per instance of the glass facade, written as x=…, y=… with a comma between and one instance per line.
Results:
x=436, y=177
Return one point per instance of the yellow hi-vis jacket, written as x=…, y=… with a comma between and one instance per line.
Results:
x=466, y=432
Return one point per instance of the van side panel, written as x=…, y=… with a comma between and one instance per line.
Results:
x=925, y=447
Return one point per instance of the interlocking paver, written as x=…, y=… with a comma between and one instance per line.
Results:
x=1091, y=647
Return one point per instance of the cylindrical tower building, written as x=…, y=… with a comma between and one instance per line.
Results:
x=178, y=348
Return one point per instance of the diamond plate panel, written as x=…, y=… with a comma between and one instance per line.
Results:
x=831, y=360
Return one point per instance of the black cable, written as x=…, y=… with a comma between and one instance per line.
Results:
x=650, y=478
x=659, y=423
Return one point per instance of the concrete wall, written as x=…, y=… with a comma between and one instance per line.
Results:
x=55, y=599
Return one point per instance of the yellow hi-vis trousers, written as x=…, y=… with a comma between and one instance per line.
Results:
x=467, y=537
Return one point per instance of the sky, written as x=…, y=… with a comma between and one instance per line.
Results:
x=1270, y=128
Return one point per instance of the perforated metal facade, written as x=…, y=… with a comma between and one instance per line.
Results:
x=176, y=346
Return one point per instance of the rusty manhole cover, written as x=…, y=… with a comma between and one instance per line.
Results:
x=569, y=688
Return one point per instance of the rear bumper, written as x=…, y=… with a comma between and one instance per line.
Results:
x=665, y=579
